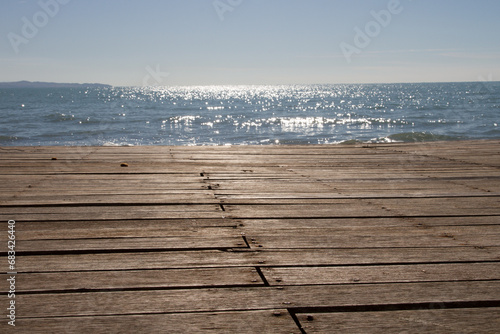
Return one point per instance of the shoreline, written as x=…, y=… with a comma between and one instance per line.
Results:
x=344, y=143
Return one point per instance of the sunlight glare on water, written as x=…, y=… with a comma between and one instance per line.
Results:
x=240, y=115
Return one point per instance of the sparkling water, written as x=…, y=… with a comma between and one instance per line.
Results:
x=240, y=115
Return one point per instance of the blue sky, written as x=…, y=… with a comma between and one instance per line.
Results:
x=206, y=42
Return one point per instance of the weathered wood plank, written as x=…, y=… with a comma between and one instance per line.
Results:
x=252, y=322
x=439, y=321
x=261, y=258
x=65, y=209
x=339, y=208
x=389, y=173
x=226, y=227
x=55, y=230
x=474, y=152
x=174, y=211
x=339, y=192
x=210, y=300
x=126, y=244
x=458, y=206
x=260, y=226
x=89, y=200
x=383, y=274
x=135, y=279
x=96, y=169
x=359, y=237
x=483, y=200
x=443, y=206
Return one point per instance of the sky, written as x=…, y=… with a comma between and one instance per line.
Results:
x=240, y=42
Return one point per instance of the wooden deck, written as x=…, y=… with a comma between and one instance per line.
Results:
x=378, y=238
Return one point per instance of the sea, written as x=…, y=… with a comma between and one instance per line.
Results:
x=249, y=115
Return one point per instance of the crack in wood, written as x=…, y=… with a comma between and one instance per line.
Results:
x=398, y=307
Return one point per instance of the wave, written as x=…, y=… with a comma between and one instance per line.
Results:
x=59, y=117
x=252, y=115
x=351, y=142
x=9, y=138
x=412, y=137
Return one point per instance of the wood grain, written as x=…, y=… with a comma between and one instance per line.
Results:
x=360, y=238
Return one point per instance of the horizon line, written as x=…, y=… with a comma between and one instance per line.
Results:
x=250, y=84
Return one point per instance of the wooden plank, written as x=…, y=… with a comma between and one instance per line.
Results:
x=111, y=199
x=128, y=244
x=202, y=195
x=483, y=200
x=84, y=210
x=258, y=160
x=210, y=300
x=440, y=321
x=341, y=191
x=260, y=226
x=341, y=208
x=252, y=322
x=383, y=274
x=134, y=279
x=114, y=215
x=476, y=152
x=116, y=169
x=49, y=182
x=96, y=187
x=369, y=208
x=444, y=206
x=40, y=230
x=370, y=172
x=174, y=211
x=119, y=178
x=261, y=258
x=360, y=237
x=492, y=186
x=252, y=228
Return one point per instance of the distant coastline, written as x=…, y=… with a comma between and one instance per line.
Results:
x=40, y=84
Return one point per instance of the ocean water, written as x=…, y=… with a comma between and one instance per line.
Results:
x=241, y=115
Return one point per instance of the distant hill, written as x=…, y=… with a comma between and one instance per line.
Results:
x=39, y=84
